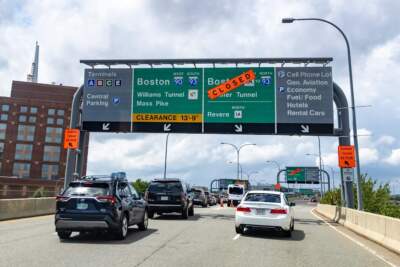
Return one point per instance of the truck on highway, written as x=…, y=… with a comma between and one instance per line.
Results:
x=236, y=193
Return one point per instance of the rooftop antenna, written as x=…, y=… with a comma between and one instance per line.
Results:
x=33, y=76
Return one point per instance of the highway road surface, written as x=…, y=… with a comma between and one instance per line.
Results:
x=207, y=239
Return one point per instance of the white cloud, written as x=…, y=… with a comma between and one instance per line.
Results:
x=394, y=158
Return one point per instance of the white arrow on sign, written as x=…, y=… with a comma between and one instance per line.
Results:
x=305, y=128
x=238, y=128
x=167, y=127
x=106, y=126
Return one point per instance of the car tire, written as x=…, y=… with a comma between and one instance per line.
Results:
x=239, y=229
x=191, y=211
x=150, y=214
x=204, y=205
x=64, y=234
x=145, y=222
x=185, y=213
x=122, y=230
x=287, y=233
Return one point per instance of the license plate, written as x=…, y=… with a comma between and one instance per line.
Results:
x=82, y=206
x=164, y=198
x=260, y=211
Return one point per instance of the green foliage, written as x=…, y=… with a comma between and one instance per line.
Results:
x=140, y=186
x=332, y=197
x=376, y=198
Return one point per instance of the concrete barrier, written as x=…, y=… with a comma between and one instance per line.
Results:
x=380, y=229
x=26, y=207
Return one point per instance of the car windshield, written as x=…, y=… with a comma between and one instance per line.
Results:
x=236, y=190
x=262, y=197
x=159, y=187
x=90, y=190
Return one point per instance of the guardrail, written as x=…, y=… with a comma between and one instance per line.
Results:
x=26, y=207
x=381, y=229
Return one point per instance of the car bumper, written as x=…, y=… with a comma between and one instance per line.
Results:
x=165, y=207
x=74, y=223
x=281, y=222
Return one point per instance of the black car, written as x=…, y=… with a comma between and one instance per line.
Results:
x=100, y=203
x=169, y=195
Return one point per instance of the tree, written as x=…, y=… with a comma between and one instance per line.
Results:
x=140, y=186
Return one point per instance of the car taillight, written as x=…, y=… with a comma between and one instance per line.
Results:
x=62, y=198
x=243, y=209
x=278, y=211
x=110, y=199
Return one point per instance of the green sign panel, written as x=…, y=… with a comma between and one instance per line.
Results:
x=302, y=175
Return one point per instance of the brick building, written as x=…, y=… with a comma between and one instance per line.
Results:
x=32, y=123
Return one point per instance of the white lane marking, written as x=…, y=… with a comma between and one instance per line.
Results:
x=236, y=237
x=370, y=250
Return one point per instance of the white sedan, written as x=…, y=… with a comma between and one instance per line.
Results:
x=265, y=209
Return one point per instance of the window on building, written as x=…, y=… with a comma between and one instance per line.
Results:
x=23, y=109
x=26, y=133
x=34, y=110
x=51, y=112
x=53, y=135
x=60, y=112
x=4, y=117
x=51, y=153
x=5, y=107
x=49, y=171
x=21, y=170
x=60, y=121
x=1, y=151
x=50, y=120
x=32, y=119
x=22, y=118
x=23, y=152
x=3, y=128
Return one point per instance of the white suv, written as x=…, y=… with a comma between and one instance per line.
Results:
x=265, y=209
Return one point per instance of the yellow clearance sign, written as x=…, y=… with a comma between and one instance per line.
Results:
x=165, y=118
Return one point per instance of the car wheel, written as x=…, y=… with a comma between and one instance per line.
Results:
x=191, y=211
x=122, y=231
x=143, y=225
x=64, y=234
x=239, y=229
x=150, y=214
x=185, y=213
x=287, y=233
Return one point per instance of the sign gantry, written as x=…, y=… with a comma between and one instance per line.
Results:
x=234, y=100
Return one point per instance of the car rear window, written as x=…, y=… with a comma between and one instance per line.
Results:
x=159, y=187
x=89, y=190
x=236, y=190
x=262, y=197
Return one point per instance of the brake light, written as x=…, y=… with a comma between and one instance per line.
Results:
x=62, y=198
x=243, y=209
x=110, y=199
x=278, y=211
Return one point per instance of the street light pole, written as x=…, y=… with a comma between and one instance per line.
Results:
x=165, y=157
x=353, y=105
x=238, y=155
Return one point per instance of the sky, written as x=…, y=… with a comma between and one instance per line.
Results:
x=71, y=30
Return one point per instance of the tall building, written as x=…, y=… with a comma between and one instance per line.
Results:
x=32, y=124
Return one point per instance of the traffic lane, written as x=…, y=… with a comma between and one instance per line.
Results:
x=38, y=245
x=213, y=242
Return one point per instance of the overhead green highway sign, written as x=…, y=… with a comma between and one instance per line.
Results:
x=302, y=175
x=244, y=100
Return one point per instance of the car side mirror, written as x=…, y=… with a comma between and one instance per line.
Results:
x=292, y=204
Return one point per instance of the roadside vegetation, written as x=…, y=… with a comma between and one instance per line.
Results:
x=140, y=185
x=376, y=198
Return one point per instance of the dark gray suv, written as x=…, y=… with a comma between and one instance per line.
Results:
x=169, y=195
x=96, y=203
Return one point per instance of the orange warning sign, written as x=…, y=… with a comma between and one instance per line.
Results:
x=71, y=139
x=231, y=84
x=346, y=157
